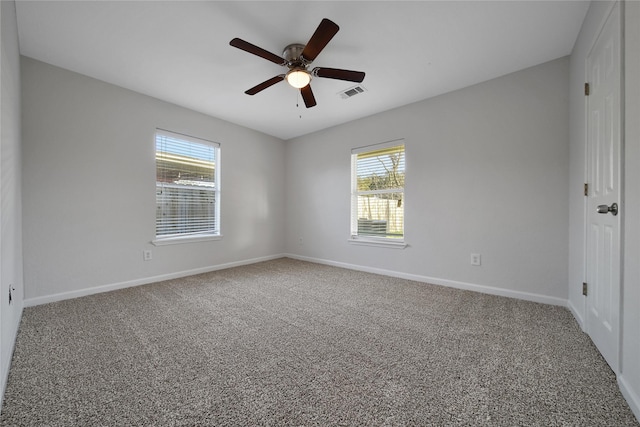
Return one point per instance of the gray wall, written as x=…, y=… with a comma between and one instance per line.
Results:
x=89, y=187
x=630, y=367
x=10, y=189
x=487, y=172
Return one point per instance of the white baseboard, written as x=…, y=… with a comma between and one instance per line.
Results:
x=577, y=315
x=633, y=399
x=143, y=281
x=8, y=356
x=544, y=299
x=418, y=278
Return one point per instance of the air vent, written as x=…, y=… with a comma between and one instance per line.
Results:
x=352, y=91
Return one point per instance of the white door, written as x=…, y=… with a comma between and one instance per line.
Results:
x=603, y=177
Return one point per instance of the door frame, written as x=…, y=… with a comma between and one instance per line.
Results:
x=621, y=181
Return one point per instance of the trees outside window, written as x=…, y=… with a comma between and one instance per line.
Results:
x=377, y=191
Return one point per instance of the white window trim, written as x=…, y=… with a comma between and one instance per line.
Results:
x=197, y=237
x=355, y=239
x=384, y=242
x=176, y=240
x=379, y=146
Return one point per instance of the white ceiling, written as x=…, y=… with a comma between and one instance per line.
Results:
x=178, y=51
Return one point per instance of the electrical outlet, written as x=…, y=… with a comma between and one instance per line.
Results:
x=147, y=255
x=476, y=259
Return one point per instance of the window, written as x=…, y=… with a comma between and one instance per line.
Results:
x=187, y=187
x=377, y=192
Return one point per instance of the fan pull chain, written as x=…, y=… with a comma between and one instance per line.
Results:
x=298, y=103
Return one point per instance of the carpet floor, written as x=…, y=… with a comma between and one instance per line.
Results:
x=291, y=343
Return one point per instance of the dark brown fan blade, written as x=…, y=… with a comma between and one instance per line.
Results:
x=307, y=96
x=262, y=86
x=324, y=33
x=251, y=48
x=336, y=73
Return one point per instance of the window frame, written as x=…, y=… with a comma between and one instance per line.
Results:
x=368, y=240
x=178, y=238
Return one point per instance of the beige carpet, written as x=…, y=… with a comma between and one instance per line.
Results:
x=290, y=343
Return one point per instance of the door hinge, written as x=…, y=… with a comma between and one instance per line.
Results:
x=586, y=189
x=586, y=89
x=584, y=288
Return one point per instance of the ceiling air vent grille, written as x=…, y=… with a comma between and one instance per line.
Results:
x=352, y=91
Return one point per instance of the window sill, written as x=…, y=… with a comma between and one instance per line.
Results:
x=185, y=239
x=381, y=243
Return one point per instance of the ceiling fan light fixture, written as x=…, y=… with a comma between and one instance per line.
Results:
x=297, y=57
x=298, y=78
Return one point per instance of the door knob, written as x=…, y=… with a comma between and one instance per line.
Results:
x=604, y=209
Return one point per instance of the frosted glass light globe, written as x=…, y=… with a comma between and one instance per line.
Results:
x=298, y=78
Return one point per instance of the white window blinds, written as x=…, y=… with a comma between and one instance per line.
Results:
x=187, y=186
x=377, y=191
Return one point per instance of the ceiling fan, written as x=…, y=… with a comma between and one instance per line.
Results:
x=297, y=57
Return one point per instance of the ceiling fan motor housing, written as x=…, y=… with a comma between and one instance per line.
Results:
x=293, y=55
